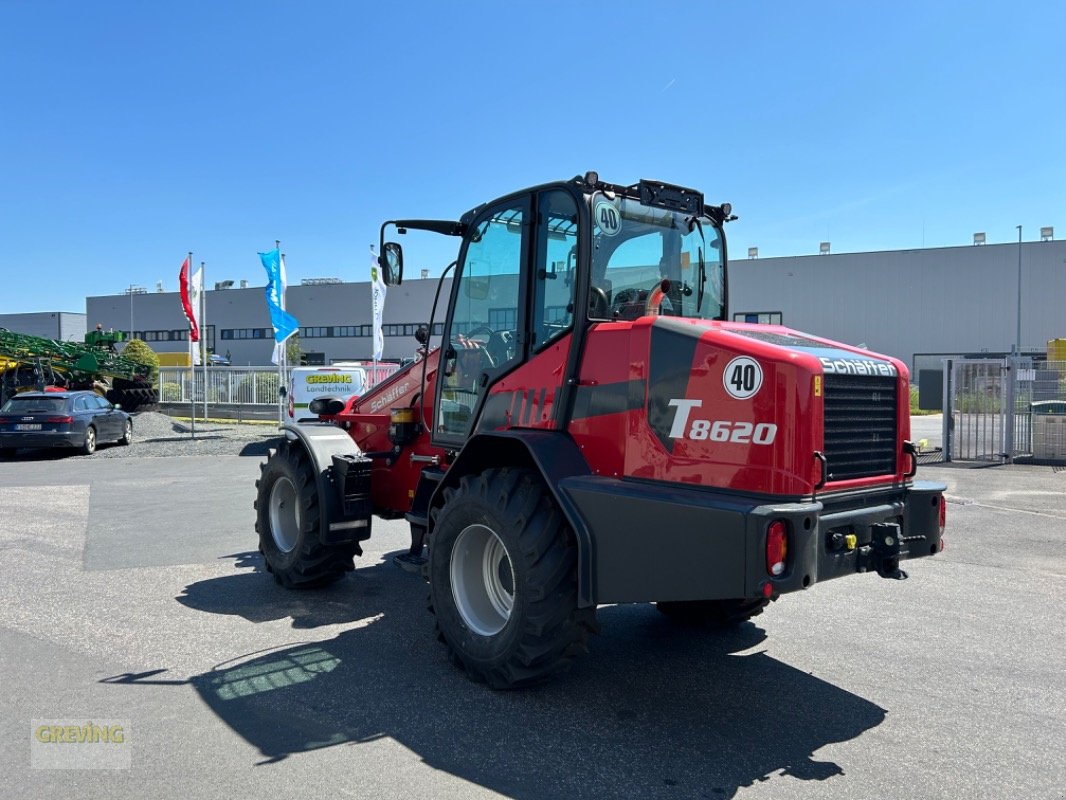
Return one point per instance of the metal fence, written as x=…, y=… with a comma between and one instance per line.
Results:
x=228, y=386
x=1002, y=410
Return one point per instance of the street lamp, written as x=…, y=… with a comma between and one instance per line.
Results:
x=1018, y=331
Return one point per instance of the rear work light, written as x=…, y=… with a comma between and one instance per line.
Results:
x=60, y=420
x=776, y=547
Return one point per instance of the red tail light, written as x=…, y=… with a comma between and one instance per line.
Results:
x=776, y=548
x=943, y=514
x=60, y=420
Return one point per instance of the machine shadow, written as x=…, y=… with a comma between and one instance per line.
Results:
x=656, y=710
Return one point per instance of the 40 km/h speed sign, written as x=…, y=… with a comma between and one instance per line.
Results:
x=742, y=377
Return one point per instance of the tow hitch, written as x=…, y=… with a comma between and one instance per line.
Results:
x=882, y=555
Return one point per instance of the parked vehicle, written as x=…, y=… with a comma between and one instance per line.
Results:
x=308, y=383
x=79, y=420
x=593, y=429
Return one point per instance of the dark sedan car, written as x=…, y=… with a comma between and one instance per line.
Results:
x=61, y=419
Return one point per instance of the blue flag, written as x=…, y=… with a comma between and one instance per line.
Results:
x=285, y=324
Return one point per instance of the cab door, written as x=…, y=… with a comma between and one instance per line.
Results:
x=483, y=332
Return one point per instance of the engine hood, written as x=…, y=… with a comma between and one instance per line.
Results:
x=741, y=406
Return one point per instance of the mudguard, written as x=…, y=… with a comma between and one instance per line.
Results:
x=556, y=457
x=343, y=492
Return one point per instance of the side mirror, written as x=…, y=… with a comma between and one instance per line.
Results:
x=422, y=334
x=392, y=264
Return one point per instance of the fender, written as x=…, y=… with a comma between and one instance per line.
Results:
x=343, y=490
x=552, y=454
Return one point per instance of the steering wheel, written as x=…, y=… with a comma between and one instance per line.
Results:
x=482, y=346
x=598, y=303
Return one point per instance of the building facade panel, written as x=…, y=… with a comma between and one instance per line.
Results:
x=334, y=319
x=943, y=300
x=63, y=325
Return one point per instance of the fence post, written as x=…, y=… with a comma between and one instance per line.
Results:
x=1010, y=371
x=946, y=423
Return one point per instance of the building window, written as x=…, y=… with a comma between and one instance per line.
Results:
x=557, y=314
x=501, y=319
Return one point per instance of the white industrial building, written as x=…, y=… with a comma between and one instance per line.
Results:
x=905, y=303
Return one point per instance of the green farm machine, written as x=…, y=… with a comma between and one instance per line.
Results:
x=33, y=363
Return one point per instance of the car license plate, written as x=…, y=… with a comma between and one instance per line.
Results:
x=28, y=426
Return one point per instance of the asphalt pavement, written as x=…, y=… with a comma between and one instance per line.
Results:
x=132, y=590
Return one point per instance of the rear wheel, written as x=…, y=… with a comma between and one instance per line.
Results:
x=716, y=613
x=88, y=447
x=287, y=521
x=503, y=580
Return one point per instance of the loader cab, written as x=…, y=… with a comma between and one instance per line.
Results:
x=537, y=269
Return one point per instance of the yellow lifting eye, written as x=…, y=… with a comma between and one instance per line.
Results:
x=850, y=539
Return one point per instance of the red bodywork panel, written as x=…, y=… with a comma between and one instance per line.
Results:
x=367, y=419
x=652, y=403
x=660, y=365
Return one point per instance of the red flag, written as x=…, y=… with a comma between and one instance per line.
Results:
x=186, y=303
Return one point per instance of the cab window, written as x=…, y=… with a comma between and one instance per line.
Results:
x=553, y=280
x=482, y=334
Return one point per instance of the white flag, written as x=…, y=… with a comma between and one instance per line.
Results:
x=377, y=292
x=196, y=287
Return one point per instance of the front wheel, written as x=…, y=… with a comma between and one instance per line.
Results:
x=287, y=521
x=127, y=433
x=503, y=580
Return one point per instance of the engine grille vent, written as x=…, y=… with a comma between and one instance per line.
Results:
x=860, y=426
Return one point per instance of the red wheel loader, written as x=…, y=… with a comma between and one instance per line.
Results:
x=591, y=428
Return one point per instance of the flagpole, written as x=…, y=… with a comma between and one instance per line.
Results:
x=203, y=333
x=373, y=334
x=192, y=369
x=283, y=348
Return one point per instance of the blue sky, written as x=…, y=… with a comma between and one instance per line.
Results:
x=133, y=132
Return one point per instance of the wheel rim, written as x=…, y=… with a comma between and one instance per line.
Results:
x=129, y=430
x=284, y=515
x=482, y=579
x=90, y=440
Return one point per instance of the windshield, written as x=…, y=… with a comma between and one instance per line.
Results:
x=649, y=260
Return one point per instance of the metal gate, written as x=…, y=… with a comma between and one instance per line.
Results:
x=988, y=408
x=975, y=414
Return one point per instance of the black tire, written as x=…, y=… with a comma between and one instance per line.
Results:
x=127, y=433
x=714, y=613
x=7, y=452
x=88, y=447
x=287, y=521
x=542, y=630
